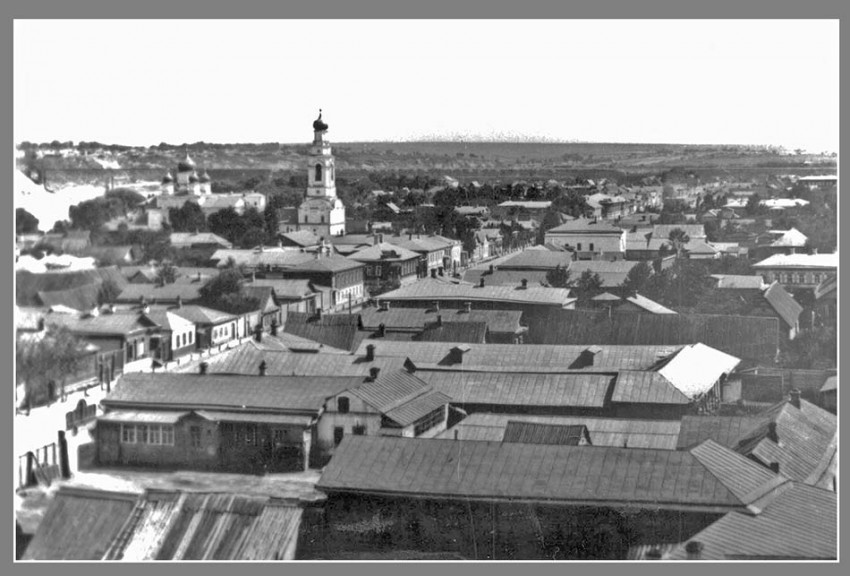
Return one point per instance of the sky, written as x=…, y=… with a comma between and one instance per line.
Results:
x=142, y=82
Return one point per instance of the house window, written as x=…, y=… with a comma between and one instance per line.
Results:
x=141, y=433
x=377, y=270
x=429, y=421
x=359, y=430
x=342, y=405
x=128, y=434
x=195, y=436
x=591, y=246
x=579, y=247
x=323, y=218
x=339, y=432
x=250, y=435
x=318, y=173
x=167, y=435
x=154, y=435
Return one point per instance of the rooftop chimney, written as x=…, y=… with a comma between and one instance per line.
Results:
x=370, y=352
x=437, y=305
x=468, y=307
x=263, y=368
x=382, y=330
x=492, y=268
x=373, y=373
x=439, y=319
x=456, y=433
x=795, y=398
x=774, y=467
x=524, y=283
x=771, y=432
x=694, y=550
x=384, y=305
x=457, y=353
x=481, y=283
x=179, y=301
x=202, y=368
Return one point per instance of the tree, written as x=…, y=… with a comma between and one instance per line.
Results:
x=226, y=292
x=188, y=218
x=53, y=357
x=636, y=278
x=588, y=285
x=166, y=272
x=108, y=292
x=753, y=203
x=227, y=223
x=678, y=239
x=559, y=277
x=25, y=223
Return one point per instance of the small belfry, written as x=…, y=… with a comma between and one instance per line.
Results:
x=322, y=212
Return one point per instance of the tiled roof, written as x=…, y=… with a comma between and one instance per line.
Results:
x=619, y=432
x=518, y=389
x=498, y=321
x=745, y=337
x=79, y=524
x=521, y=472
x=526, y=358
x=429, y=289
x=246, y=360
x=335, y=330
x=784, y=304
x=800, y=522
x=814, y=261
x=535, y=433
x=584, y=226
x=169, y=525
x=250, y=393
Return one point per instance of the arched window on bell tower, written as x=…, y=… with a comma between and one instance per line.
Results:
x=318, y=173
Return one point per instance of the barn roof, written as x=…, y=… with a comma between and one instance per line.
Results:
x=429, y=289
x=499, y=321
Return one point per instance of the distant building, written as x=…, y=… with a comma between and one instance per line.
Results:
x=798, y=270
x=322, y=212
x=589, y=239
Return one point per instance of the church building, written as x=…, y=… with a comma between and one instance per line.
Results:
x=322, y=212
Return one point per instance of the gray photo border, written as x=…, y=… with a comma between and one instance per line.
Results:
x=355, y=9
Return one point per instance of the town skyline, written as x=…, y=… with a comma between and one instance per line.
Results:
x=384, y=88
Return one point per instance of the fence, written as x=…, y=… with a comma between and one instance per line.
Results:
x=774, y=384
x=40, y=466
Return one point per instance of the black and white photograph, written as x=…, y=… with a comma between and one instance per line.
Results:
x=425, y=291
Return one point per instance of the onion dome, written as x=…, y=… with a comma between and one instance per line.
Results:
x=193, y=178
x=167, y=179
x=186, y=165
x=205, y=177
x=318, y=125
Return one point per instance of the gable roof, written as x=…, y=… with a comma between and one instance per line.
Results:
x=201, y=315
x=745, y=337
x=813, y=261
x=303, y=238
x=784, y=304
x=172, y=525
x=81, y=298
x=472, y=332
x=739, y=282
x=28, y=285
x=725, y=430
x=400, y=396
x=117, y=324
x=335, y=330
x=520, y=389
x=696, y=368
x=246, y=393
x=505, y=277
x=800, y=522
x=383, y=252
x=585, y=226
x=286, y=288
x=619, y=432
x=79, y=524
x=430, y=289
x=498, y=321
x=792, y=238
x=191, y=238
x=464, y=469
x=646, y=387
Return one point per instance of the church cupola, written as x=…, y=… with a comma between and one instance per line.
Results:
x=318, y=124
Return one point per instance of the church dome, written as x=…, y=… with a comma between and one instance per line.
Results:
x=167, y=179
x=318, y=124
x=186, y=165
x=193, y=178
x=205, y=177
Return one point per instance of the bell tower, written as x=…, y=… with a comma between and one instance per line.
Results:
x=320, y=168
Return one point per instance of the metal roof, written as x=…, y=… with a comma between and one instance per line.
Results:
x=418, y=407
x=518, y=389
x=383, y=252
x=694, y=231
x=618, y=432
x=429, y=289
x=725, y=430
x=473, y=332
x=536, y=433
x=646, y=387
x=505, y=277
x=532, y=358
x=798, y=523
x=649, y=305
x=814, y=261
x=250, y=393
x=202, y=314
x=738, y=282
x=186, y=290
x=335, y=330
x=537, y=259
x=522, y=472
x=784, y=304
x=390, y=390
x=117, y=324
x=583, y=226
x=79, y=524
x=81, y=298
x=696, y=368
x=158, y=417
x=498, y=321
